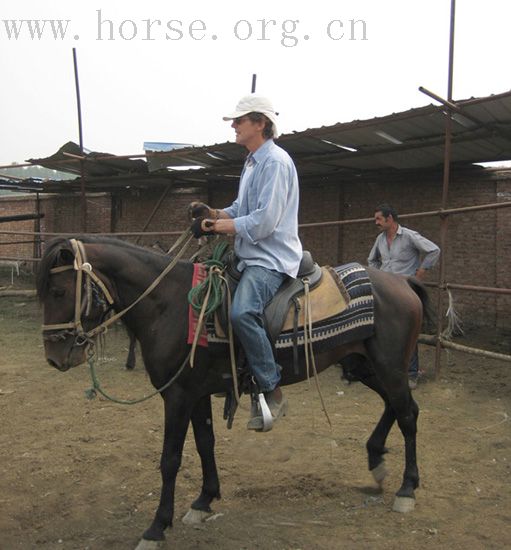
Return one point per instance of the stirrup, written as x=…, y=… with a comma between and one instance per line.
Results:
x=265, y=412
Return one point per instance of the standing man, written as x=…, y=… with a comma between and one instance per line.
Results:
x=402, y=250
x=264, y=220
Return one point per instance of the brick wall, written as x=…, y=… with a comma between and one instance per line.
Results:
x=22, y=245
x=477, y=252
x=503, y=254
x=132, y=210
x=63, y=214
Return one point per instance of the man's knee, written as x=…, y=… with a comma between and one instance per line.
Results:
x=243, y=318
x=238, y=316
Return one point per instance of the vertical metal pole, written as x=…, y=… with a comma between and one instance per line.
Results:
x=37, y=240
x=80, y=135
x=254, y=78
x=445, y=193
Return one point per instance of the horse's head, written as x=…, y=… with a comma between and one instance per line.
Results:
x=73, y=300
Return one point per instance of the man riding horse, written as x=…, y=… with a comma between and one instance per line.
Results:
x=264, y=219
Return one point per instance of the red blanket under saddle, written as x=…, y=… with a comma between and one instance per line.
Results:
x=199, y=274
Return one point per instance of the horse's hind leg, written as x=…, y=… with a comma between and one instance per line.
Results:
x=376, y=444
x=357, y=367
x=399, y=405
x=202, y=422
x=407, y=413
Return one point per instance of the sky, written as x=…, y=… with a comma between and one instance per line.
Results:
x=168, y=71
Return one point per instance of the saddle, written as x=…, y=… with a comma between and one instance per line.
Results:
x=283, y=312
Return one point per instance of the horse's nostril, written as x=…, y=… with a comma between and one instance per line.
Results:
x=52, y=363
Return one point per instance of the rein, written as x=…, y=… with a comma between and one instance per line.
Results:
x=96, y=386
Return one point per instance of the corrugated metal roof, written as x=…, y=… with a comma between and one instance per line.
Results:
x=65, y=159
x=410, y=140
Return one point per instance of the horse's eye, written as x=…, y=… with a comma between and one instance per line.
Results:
x=57, y=292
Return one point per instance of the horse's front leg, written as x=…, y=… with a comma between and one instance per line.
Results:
x=202, y=422
x=177, y=418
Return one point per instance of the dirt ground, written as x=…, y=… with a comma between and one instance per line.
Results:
x=79, y=474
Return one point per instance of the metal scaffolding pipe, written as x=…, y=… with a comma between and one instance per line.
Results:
x=80, y=136
x=445, y=192
x=441, y=212
x=120, y=234
x=20, y=217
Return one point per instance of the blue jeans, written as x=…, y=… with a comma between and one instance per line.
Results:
x=256, y=288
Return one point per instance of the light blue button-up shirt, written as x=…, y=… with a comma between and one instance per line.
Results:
x=265, y=212
x=407, y=253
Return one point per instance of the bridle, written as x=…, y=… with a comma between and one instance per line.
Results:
x=61, y=331
x=74, y=328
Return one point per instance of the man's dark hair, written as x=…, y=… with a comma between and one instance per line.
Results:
x=387, y=210
x=268, y=124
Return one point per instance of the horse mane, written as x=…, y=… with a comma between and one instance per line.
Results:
x=53, y=257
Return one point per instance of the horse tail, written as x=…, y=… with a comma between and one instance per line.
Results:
x=422, y=293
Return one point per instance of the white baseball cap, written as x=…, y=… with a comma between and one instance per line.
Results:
x=254, y=103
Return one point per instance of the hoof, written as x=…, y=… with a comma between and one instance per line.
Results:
x=193, y=517
x=379, y=473
x=403, y=504
x=150, y=544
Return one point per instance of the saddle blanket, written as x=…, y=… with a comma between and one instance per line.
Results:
x=351, y=319
x=355, y=322
x=199, y=274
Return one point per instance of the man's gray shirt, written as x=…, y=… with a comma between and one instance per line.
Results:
x=405, y=252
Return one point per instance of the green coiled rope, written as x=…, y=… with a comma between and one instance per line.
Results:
x=197, y=294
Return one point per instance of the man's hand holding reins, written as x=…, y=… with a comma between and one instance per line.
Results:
x=202, y=226
x=197, y=209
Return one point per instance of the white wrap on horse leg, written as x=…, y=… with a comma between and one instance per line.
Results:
x=403, y=504
x=150, y=544
x=379, y=473
x=193, y=517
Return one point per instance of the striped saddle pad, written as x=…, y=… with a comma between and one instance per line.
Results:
x=342, y=311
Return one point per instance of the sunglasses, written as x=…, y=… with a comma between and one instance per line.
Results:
x=239, y=120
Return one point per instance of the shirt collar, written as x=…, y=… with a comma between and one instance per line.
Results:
x=260, y=153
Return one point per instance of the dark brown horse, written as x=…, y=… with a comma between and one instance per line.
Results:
x=159, y=322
